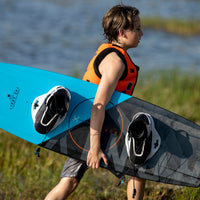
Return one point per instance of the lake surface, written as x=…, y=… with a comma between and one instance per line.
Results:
x=63, y=35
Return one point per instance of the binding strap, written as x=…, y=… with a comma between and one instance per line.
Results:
x=142, y=139
x=50, y=109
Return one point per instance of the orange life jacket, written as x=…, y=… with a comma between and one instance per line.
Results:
x=128, y=79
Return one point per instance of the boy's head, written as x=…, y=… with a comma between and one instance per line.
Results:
x=117, y=18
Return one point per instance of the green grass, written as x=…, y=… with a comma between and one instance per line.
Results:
x=24, y=176
x=174, y=90
x=177, y=26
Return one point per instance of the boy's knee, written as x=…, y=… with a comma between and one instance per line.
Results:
x=68, y=184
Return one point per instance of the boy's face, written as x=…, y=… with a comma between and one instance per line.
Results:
x=134, y=36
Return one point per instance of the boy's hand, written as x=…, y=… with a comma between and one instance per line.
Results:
x=94, y=157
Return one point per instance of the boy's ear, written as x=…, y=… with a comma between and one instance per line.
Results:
x=122, y=33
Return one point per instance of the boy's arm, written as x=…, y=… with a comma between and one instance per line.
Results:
x=111, y=69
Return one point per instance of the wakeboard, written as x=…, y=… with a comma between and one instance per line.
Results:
x=176, y=161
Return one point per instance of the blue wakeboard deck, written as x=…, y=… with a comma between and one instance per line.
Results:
x=176, y=162
x=19, y=87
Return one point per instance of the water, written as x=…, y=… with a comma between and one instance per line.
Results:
x=63, y=35
x=186, y=9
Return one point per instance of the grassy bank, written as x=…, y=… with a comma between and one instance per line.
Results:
x=174, y=90
x=176, y=26
x=24, y=176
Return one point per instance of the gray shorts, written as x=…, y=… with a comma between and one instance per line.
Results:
x=74, y=168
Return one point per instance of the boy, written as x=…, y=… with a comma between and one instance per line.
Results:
x=112, y=69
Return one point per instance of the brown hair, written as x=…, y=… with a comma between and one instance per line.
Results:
x=117, y=18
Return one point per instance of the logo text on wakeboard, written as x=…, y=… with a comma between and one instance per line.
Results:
x=13, y=98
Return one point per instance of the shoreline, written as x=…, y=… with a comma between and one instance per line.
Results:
x=172, y=25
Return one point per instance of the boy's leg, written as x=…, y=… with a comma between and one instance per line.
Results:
x=71, y=175
x=63, y=189
x=139, y=186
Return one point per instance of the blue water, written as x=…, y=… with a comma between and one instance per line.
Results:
x=63, y=35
